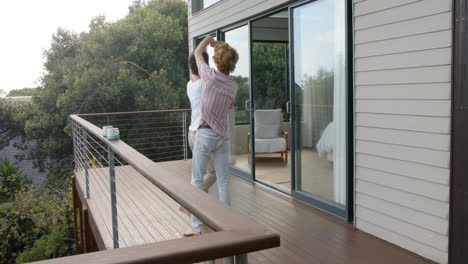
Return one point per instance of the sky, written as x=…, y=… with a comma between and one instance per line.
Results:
x=26, y=29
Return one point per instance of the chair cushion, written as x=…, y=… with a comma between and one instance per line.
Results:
x=268, y=123
x=268, y=145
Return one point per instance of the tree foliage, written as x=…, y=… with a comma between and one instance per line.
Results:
x=11, y=180
x=136, y=63
x=35, y=223
x=24, y=92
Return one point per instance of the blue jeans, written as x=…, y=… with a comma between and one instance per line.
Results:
x=209, y=144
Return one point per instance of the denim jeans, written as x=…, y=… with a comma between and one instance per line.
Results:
x=208, y=144
x=210, y=176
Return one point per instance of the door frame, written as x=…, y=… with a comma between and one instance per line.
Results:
x=458, y=233
x=343, y=211
x=221, y=33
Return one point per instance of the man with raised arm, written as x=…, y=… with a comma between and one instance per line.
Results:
x=211, y=140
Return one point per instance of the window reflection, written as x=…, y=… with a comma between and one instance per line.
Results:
x=239, y=117
x=319, y=63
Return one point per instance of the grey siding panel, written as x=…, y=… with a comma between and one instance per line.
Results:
x=427, y=221
x=404, y=122
x=367, y=7
x=403, y=241
x=405, y=28
x=423, y=236
x=440, y=108
x=405, y=60
x=404, y=137
x=404, y=76
x=415, y=9
x=426, y=91
x=412, y=201
x=431, y=190
x=404, y=168
x=433, y=40
x=419, y=155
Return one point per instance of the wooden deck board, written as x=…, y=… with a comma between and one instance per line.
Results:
x=307, y=235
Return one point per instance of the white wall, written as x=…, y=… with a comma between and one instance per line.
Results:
x=403, y=101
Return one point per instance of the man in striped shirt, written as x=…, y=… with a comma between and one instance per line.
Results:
x=218, y=94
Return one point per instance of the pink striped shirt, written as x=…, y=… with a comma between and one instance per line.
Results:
x=218, y=94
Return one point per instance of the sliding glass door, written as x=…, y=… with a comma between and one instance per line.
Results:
x=240, y=115
x=270, y=90
x=320, y=104
x=289, y=125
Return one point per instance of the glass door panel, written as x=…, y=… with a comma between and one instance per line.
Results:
x=270, y=88
x=240, y=115
x=319, y=63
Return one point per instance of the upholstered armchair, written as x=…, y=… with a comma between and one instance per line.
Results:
x=269, y=134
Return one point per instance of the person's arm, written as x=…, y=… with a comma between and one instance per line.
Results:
x=208, y=40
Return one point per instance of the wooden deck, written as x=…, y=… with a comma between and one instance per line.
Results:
x=308, y=235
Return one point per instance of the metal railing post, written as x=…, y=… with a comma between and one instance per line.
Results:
x=86, y=164
x=184, y=133
x=75, y=160
x=115, y=230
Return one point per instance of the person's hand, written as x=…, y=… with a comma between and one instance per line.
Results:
x=210, y=40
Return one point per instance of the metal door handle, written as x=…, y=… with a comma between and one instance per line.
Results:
x=288, y=104
x=247, y=105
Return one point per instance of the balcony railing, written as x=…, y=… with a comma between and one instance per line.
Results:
x=147, y=138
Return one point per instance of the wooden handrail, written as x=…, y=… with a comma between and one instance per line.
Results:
x=235, y=234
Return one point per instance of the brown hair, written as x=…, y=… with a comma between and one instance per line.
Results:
x=193, y=62
x=225, y=57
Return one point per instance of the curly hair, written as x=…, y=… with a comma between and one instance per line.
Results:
x=225, y=57
x=193, y=62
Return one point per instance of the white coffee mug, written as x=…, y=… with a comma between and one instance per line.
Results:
x=113, y=133
x=104, y=130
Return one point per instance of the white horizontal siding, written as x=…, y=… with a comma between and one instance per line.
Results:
x=423, y=58
x=403, y=241
x=366, y=7
x=430, y=124
x=405, y=76
x=415, y=186
x=415, y=9
x=424, y=220
x=420, y=155
x=404, y=168
x=404, y=137
x=403, y=56
x=405, y=91
x=421, y=25
x=424, y=236
x=433, y=40
x=406, y=199
x=440, y=108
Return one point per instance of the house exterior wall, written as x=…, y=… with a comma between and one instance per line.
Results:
x=225, y=12
x=403, y=56
x=402, y=88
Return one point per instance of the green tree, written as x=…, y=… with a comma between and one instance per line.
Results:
x=11, y=180
x=36, y=225
x=24, y=92
x=270, y=74
x=136, y=63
